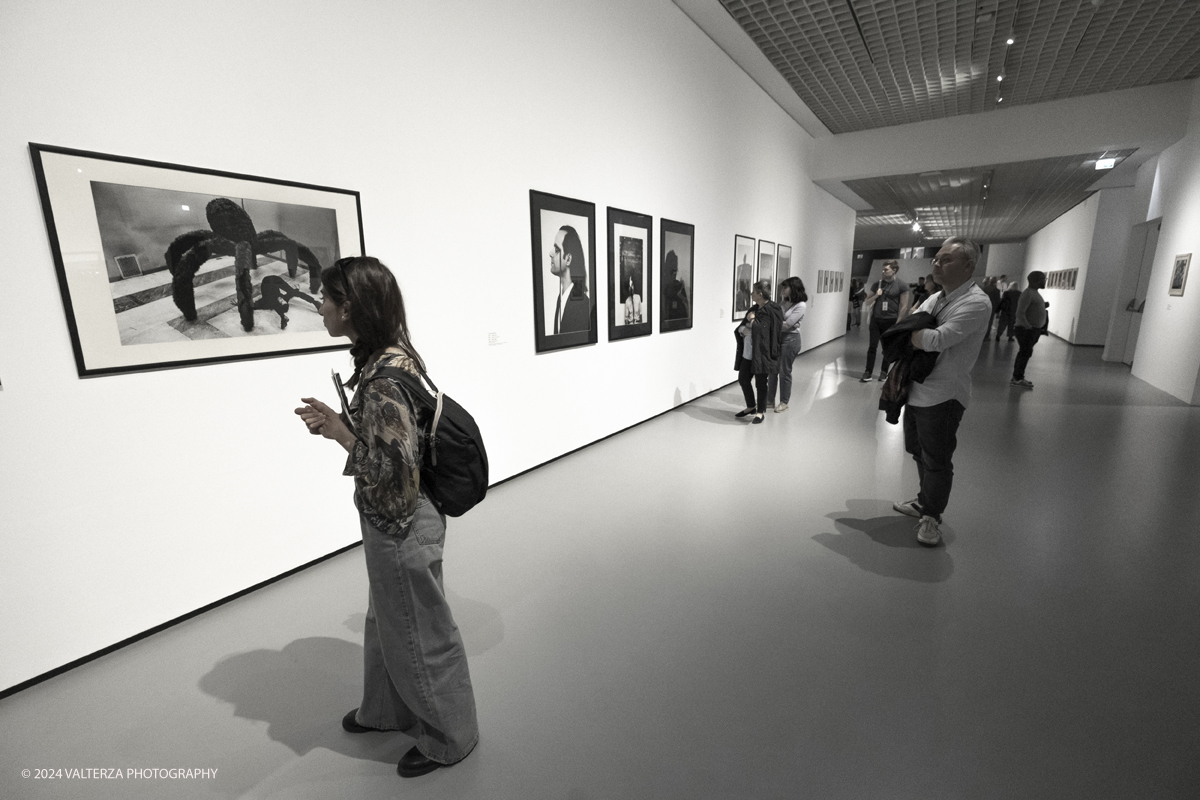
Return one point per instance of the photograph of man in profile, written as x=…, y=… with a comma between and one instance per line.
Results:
x=573, y=309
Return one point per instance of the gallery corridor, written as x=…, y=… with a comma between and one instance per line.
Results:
x=700, y=608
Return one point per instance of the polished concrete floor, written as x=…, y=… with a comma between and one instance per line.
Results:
x=698, y=608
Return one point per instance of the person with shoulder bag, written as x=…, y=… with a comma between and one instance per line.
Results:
x=758, y=350
x=415, y=675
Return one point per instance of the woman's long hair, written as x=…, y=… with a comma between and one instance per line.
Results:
x=795, y=289
x=376, y=309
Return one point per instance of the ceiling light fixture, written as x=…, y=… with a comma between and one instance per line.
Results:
x=1105, y=163
x=999, y=78
x=1010, y=40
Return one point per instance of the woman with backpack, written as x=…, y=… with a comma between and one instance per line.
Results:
x=415, y=676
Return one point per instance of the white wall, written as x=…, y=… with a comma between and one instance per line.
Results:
x=1065, y=244
x=1005, y=259
x=1168, y=348
x=126, y=501
x=1106, y=263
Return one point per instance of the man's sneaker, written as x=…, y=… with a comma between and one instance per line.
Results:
x=779, y=409
x=928, y=532
x=882, y=376
x=910, y=507
x=1022, y=383
x=866, y=378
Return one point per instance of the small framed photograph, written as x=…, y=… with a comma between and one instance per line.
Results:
x=629, y=260
x=564, y=271
x=743, y=275
x=164, y=265
x=766, y=264
x=1179, y=273
x=676, y=243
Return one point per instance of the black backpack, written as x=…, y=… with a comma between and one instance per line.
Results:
x=454, y=471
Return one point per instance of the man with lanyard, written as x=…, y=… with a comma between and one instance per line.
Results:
x=887, y=303
x=935, y=407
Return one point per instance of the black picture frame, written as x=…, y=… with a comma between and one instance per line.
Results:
x=766, y=264
x=630, y=274
x=676, y=281
x=743, y=275
x=783, y=263
x=556, y=327
x=146, y=281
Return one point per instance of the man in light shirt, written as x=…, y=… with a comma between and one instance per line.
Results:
x=935, y=407
x=1030, y=320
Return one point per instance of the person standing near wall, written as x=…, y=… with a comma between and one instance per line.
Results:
x=793, y=301
x=887, y=302
x=1030, y=321
x=1006, y=312
x=935, y=408
x=415, y=676
x=993, y=293
x=758, y=349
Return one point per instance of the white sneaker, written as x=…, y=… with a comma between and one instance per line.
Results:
x=910, y=507
x=928, y=532
x=781, y=408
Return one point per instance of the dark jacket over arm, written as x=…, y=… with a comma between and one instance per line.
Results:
x=766, y=332
x=908, y=363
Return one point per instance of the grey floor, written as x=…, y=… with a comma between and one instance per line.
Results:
x=699, y=608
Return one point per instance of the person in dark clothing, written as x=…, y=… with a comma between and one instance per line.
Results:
x=1007, y=312
x=993, y=292
x=276, y=296
x=887, y=301
x=758, y=349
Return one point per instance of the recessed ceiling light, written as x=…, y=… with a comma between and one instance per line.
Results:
x=1011, y=40
x=999, y=78
x=1105, y=163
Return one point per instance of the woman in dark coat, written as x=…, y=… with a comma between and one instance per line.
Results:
x=758, y=349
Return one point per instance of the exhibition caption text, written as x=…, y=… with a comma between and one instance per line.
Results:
x=118, y=773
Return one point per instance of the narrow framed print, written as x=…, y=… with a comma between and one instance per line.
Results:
x=676, y=273
x=743, y=275
x=629, y=272
x=766, y=264
x=164, y=265
x=564, y=271
x=1179, y=273
x=783, y=262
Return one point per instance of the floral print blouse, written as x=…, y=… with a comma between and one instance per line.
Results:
x=386, y=460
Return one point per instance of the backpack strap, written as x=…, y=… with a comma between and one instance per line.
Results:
x=413, y=383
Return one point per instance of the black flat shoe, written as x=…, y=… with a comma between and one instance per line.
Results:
x=350, y=724
x=744, y=413
x=414, y=763
x=757, y=419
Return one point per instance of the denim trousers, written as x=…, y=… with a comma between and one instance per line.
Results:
x=750, y=380
x=783, y=378
x=930, y=436
x=415, y=676
x=878, y=326
x=1026, y=339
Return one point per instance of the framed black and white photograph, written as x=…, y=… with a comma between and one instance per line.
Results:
x=629, y=272
x=564, y=271
x=743, y=275
x=675, y=276
x=766, y=264
x=164, y=265
x=1179, y=273
x=783, y=263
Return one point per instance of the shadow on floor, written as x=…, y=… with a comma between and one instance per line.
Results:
x=875, y=538
x=302, y=692
x=721, y=415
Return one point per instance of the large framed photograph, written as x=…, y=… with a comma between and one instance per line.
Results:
x=165, y=265
x=783, y=263
x=676, y=273
x=1179, y=273
x=743, y=275
x=629, y=259
x=564, y=271
x=766, y=264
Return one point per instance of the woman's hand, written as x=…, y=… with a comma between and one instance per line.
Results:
x=324, y=421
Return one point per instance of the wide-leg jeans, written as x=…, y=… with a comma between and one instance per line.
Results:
x=930, y=436
x=783, y=378
x=415, y=676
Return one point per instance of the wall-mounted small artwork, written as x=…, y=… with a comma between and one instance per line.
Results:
x=564, y=271
x=743, y=275
x=163, y=265
x=1179, y=273
x=766, y=264
x=629, y=274
x=676, y=273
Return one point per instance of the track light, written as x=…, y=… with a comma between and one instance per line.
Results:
x=999, y=78
x=1010, y=41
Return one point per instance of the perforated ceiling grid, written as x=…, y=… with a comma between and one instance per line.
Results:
x=862, y=64
x=1000, y=202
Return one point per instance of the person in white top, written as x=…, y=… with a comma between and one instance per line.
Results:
x=1030, y=320
x=935, y=407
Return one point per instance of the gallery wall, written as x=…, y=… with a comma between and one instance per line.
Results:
x=1168, y=348
x=1005, y=259
x=1064, y=244
x=126, y=501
